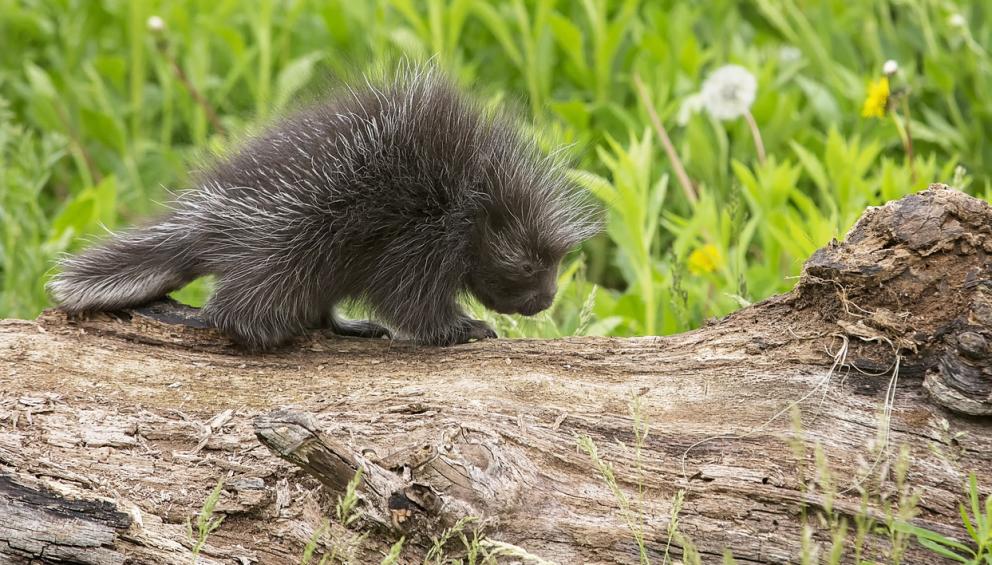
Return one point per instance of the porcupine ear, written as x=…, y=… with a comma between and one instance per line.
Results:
x=544, y=208
x=574, y=216
x=531, y=193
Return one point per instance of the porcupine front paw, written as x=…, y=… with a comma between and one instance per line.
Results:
x=464, y=331
x=477, y=329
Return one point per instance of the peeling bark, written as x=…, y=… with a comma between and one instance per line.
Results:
x=115, y=427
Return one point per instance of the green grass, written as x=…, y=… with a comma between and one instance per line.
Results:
x=206, y=522
x=884, y=490
x=97, y=125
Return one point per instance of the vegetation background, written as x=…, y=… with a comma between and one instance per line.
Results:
x=105, y=106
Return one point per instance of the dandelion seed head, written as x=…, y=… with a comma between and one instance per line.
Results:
x=729, y=91
x=155, y=24
x=890, y=67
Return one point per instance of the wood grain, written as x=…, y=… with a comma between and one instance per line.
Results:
x=115, y=427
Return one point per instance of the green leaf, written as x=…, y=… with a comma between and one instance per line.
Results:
x=940, y=550
x=458, y=12
x=976, y=508
x=294, y=76
x=598, y=186
x=104, y=128
x=40, y=82
x=497, y=26
x=89, y=209
x=412, y=15
x=928, y=535
x=820, y=98
x=574, y=112
x=813, y=167
x=569, y=38
x=967, y=522
x=940, y=71
x=75, y=216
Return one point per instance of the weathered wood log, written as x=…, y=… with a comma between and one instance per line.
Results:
x=115, y=427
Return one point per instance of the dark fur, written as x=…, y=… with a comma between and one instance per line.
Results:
x=401, y=196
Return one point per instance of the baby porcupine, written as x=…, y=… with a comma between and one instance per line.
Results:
x=402, y=195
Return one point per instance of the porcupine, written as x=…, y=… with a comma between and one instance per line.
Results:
x=401, y=194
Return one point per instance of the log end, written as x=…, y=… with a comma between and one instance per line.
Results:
x=914, y=278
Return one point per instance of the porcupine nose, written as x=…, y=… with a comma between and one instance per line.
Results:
x=537, y=304
x=544, y=301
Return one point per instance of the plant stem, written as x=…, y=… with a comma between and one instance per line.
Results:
x=647, y=287
x=759, y=145
x=673, y=157
x=193, y=92
x=136, y=35
x=88, y=162
x=908, y=140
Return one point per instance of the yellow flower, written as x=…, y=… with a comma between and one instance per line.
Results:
x=706, y=259
x=877, y=100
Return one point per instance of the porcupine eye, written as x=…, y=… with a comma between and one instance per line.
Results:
x=528, y=269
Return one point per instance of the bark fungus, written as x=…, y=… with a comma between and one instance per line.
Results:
x=115, y=427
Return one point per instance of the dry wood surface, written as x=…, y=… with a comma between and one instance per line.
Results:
x=114, y=428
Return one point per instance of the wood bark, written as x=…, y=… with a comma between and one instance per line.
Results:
x=115, y=427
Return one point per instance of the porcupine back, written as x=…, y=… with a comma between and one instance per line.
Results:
x=374, y=194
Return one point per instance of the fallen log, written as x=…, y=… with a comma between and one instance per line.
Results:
x=114, y=428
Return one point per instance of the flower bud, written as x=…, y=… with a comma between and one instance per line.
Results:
x=155, y=24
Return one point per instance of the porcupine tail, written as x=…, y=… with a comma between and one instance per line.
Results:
x=130, y=268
